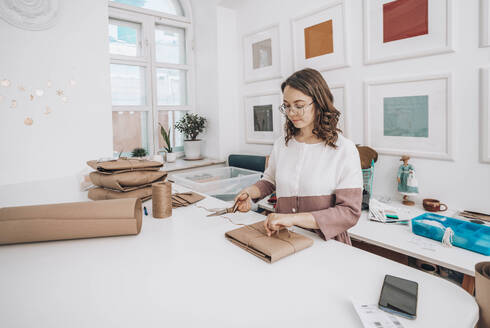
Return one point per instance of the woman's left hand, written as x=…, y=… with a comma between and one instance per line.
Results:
x=275, y=222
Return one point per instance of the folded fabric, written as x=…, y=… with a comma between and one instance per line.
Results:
x=70, y=221
x=127, y=181
x=482, y=292
x=100, y=194
x=125, y=165
x=253, y=238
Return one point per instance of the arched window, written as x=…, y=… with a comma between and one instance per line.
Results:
x=151, y=71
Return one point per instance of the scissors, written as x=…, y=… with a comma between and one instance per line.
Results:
x=228, y=210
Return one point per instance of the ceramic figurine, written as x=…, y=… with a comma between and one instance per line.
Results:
x=407, y=183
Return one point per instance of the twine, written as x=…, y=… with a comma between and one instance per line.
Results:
x=162, y=199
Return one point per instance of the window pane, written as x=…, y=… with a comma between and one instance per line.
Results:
x=130, y=131
x=128, y=85
x=167, y=6
x=124, y=38
x=171, y=87
x=167, y=119
x=170, y=45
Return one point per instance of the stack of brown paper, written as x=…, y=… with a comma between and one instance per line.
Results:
x=70, y=221
x=185, y=199
x=124, y=178
x=253, y=238
x=125, y=165
x=127, y=181
x=482, y=291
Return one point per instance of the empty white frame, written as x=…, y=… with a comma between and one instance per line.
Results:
x=485, y=115
x=319, y=38
x=438, y=38
x=263, y=120
x=484, y=23
x=261, y=55
x=410, y=116
x=340, y=102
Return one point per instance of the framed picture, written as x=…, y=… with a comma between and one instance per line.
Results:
x=340, y=102
x=261, y=55
x=319, y=38
x=484, y=23
x=485, y=115
x=263, y=120
x=400, y=29
x=410, y=116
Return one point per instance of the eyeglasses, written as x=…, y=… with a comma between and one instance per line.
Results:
x=297, y=110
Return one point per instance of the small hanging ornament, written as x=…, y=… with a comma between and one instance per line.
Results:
x=59, y=92
x=13, y=104
x=49, y=84
x=47, y=111
x=28, y=121
x=21, y=88
x=5, y=83
x=73, y=83
x=31, y=97
x=64, y=99
x=39, y=92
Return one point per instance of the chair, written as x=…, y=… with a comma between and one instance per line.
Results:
x=250, y=162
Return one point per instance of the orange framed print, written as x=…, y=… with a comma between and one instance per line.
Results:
x=319, y=39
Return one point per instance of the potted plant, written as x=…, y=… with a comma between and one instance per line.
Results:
x=190, y=126
x=138, y=152
x=170, y=156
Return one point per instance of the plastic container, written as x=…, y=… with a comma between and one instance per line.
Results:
x=468, y=235
x=223, y=182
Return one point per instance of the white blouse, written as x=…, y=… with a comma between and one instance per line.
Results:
x=301, y=169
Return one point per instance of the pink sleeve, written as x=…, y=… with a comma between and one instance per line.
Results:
x=265, y=187
x=343, y=215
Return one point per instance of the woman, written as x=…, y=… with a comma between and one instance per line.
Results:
x=314, y=170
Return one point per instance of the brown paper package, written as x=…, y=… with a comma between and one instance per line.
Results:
x=186, y=198
x=482, y=292
x=127, y=181
x=124, y=165
x=102, y=194
x=70, y=221
x=253, y=238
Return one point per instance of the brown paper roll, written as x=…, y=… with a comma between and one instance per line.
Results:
x=162, y=199
x=70, y=221
x=482, y=291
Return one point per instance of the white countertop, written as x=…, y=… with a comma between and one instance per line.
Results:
x=182, y=272
x=400, y=238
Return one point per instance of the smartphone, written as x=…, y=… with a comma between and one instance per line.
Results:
x=399, y=296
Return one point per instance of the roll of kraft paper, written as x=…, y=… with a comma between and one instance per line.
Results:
x=70, y=221
x=482, y=291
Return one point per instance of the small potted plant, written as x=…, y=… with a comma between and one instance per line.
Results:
x=190, y=126
x=170, y=156
x=138, y=152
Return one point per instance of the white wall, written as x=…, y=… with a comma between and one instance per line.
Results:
x=464, y=182
x=58, y=144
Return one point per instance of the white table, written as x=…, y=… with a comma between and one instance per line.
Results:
x=399, y=238
x=182, y=272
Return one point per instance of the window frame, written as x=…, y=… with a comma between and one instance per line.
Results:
x=149, y=20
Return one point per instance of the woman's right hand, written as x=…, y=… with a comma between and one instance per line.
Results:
x=243, y=201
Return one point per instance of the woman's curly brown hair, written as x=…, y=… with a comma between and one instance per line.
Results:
x=311, y=83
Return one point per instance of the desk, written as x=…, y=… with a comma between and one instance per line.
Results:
x=182, y=272
x=399, y=238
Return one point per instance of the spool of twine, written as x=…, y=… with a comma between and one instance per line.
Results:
x=162, y=199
